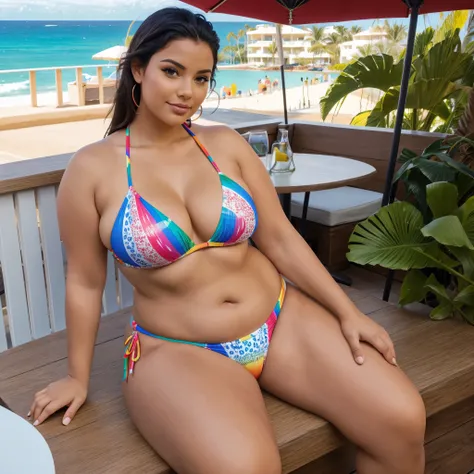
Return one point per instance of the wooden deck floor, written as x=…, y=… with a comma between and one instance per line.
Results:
x=433, y=354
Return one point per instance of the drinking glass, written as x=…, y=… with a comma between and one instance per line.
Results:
x=258, y=140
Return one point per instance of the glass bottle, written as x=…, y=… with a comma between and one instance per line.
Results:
x=282, y=154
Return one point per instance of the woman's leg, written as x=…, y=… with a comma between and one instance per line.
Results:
x=309, y=364
x=202, y=412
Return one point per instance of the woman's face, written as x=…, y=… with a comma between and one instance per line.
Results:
x=176, y=80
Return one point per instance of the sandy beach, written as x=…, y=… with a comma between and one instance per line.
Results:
x=270, y=102
x=65, y=135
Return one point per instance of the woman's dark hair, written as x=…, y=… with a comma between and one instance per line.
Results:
x=153, y=35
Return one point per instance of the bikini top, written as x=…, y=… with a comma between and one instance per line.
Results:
x=144, y=237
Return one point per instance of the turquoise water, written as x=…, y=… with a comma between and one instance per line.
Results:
x=35, y=44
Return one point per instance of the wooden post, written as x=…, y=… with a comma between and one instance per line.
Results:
x=100, y=80
x=33, y=93
x=59, y=87
x=80, y=89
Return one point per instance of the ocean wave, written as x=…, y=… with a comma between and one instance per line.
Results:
x=50, y=26
x=13, y=87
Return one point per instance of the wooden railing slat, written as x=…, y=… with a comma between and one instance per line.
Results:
x=53, y=257
x=109, y=298
x=33, y=263
x=12, y=268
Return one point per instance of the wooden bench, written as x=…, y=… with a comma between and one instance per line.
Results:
x=438, y=357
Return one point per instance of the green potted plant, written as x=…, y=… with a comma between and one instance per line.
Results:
x=430, y=234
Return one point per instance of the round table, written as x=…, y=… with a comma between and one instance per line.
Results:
x=315, y=172
x=22, y=447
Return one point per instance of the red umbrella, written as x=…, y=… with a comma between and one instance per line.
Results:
x=301, y=12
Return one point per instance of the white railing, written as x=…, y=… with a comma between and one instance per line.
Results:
x=80, y=85
x=34, y=266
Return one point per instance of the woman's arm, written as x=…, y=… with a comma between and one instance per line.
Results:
x=86, y=263
x=283, y=245
x=85, y=279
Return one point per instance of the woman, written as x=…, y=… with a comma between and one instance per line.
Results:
x=199, y=283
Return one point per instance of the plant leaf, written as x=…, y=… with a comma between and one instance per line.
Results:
x=413, y=287
x=442, y=198
x=423, y=41
x=460, y=167
x=360, y=120
x=466, y=296
x=466, y=216
x=448, y=230
x=466, y=258
x=435, y=147
x=468, y=314
x=442, y=311
x=406, y=155
x=432, y=284
x=426, y=94
x=465, y=185
x=375, y=71
x=392, y=238
x=434, y=170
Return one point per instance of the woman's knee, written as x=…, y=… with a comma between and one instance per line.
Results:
x=401, y=426
x=258, y=460
x=409, y=419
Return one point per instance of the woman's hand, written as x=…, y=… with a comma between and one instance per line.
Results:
x=65, y=392
x=359, y=327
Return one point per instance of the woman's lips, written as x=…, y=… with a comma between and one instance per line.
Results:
x=179, y=109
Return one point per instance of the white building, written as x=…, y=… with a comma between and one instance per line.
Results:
x=350, y=49
x=296, y=45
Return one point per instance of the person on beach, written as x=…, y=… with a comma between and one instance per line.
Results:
x=215, y=319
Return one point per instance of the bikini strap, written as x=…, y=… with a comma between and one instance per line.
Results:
x=202, y=147
x=127, y=155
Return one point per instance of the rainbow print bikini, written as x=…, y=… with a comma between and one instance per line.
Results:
x=144, y=237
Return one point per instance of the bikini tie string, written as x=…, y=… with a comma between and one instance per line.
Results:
x=132, y=352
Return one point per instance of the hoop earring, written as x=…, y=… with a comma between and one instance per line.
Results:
x=133, y=96
x=200, y=113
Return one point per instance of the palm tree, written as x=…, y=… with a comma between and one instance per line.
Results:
x=230, y=48
x=344, y=33
x=318, y=40
x=442, y=75
x=241, y=34
x=273, y=50
x=332, y=46
x=355, y=30
x=396, y=32
x=229, y=52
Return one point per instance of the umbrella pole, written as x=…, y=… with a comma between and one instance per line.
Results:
x=283, y=88
x=281, y=58
x=390, y=188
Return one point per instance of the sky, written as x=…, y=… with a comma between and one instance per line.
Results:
x=116, y=10
x=89, y=9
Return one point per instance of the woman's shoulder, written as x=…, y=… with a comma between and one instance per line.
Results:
x=219, y=135
x=94, y=157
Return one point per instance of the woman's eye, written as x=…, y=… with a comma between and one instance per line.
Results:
x=202, y=79
x=170, y=71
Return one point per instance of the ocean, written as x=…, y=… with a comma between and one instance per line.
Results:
x=37, y=44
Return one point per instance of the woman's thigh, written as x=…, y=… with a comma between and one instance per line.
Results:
x=202, y=412
x=310, y=365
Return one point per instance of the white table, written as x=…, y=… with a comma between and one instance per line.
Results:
x=315, y=172
x=23, y=450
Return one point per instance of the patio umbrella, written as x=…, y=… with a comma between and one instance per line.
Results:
x=114, y=53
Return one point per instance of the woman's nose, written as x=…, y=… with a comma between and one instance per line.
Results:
x=185, y=90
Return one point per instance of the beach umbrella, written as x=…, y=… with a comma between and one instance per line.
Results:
x=314, y=11
x=114, y=53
